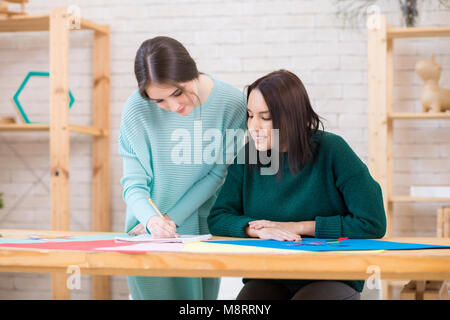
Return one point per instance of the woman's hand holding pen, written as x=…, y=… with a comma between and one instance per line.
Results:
x=139, y=229
x=162, y=227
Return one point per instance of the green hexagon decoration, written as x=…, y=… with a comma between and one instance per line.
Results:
x=16, y=96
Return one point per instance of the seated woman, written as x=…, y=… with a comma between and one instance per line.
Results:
x=321, y=189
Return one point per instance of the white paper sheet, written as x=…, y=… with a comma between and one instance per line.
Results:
x=147, y=247
x=184, y=238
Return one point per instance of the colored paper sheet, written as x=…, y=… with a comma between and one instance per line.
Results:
x=182, y=238
x=208, y=247
x=313, y=244
x=66, y=245
x=107, y=243
x=145, y=247
x=93, y=237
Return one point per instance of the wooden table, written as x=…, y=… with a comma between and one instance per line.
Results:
x=430, y=264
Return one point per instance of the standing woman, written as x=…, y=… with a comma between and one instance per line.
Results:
x=322, y=188
x=162, y=124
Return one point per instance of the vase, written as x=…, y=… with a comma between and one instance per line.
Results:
x=409, y=12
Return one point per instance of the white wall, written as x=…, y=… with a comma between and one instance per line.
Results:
x=237, y=41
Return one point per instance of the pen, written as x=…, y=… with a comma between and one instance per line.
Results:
x=159, y=212
x=46, y=237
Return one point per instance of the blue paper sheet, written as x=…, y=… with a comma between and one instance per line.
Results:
x=345, y=245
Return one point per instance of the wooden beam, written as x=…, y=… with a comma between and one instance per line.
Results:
x=59, y=287
x=378, y=107
x=25, y=23
x=418, y=199
x=59, y=134
x=419, y=115
x=24, y=127
x=89, y=25
x=443, y=222
x=96, y=132
x=389, y=135
x=101, y=210
x=418, y=32
x=46, y=127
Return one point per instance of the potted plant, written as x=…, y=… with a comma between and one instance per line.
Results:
x=353, y=11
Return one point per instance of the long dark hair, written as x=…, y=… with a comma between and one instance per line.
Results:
x=291, y=113
x=163, y=60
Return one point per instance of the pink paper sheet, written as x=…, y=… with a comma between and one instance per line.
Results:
x=70, y=245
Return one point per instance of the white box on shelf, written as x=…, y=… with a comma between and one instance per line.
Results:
x=430, y=191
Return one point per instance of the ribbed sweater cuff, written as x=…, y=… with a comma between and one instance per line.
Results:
x=328, y=227
x=236, y=228
x=142, y=210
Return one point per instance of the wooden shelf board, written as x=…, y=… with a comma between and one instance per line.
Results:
x=419, y=115
x=417, y=199
x=418, y=32
x=25, y=23
x=89, y=25
x=42, y=23
x=46, y=127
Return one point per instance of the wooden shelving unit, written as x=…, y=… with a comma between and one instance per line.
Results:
x=57, y=23
x=381, y=112
x=381, y=107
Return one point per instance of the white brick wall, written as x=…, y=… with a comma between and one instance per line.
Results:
x=237, y=41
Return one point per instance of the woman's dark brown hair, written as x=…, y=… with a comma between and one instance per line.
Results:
x=291, y=113
x=163, y=60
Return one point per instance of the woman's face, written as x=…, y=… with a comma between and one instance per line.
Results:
x=171, y=98
x=259, y=122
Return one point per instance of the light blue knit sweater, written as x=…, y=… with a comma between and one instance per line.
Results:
x=152, y=142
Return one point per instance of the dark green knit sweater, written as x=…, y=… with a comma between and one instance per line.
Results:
x=336, y=191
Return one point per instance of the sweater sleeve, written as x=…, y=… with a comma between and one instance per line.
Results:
x=366, y=217
x=362, y=195
x=198, y=194
x=135, y=182
x=207, y=186
x=227, y=217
